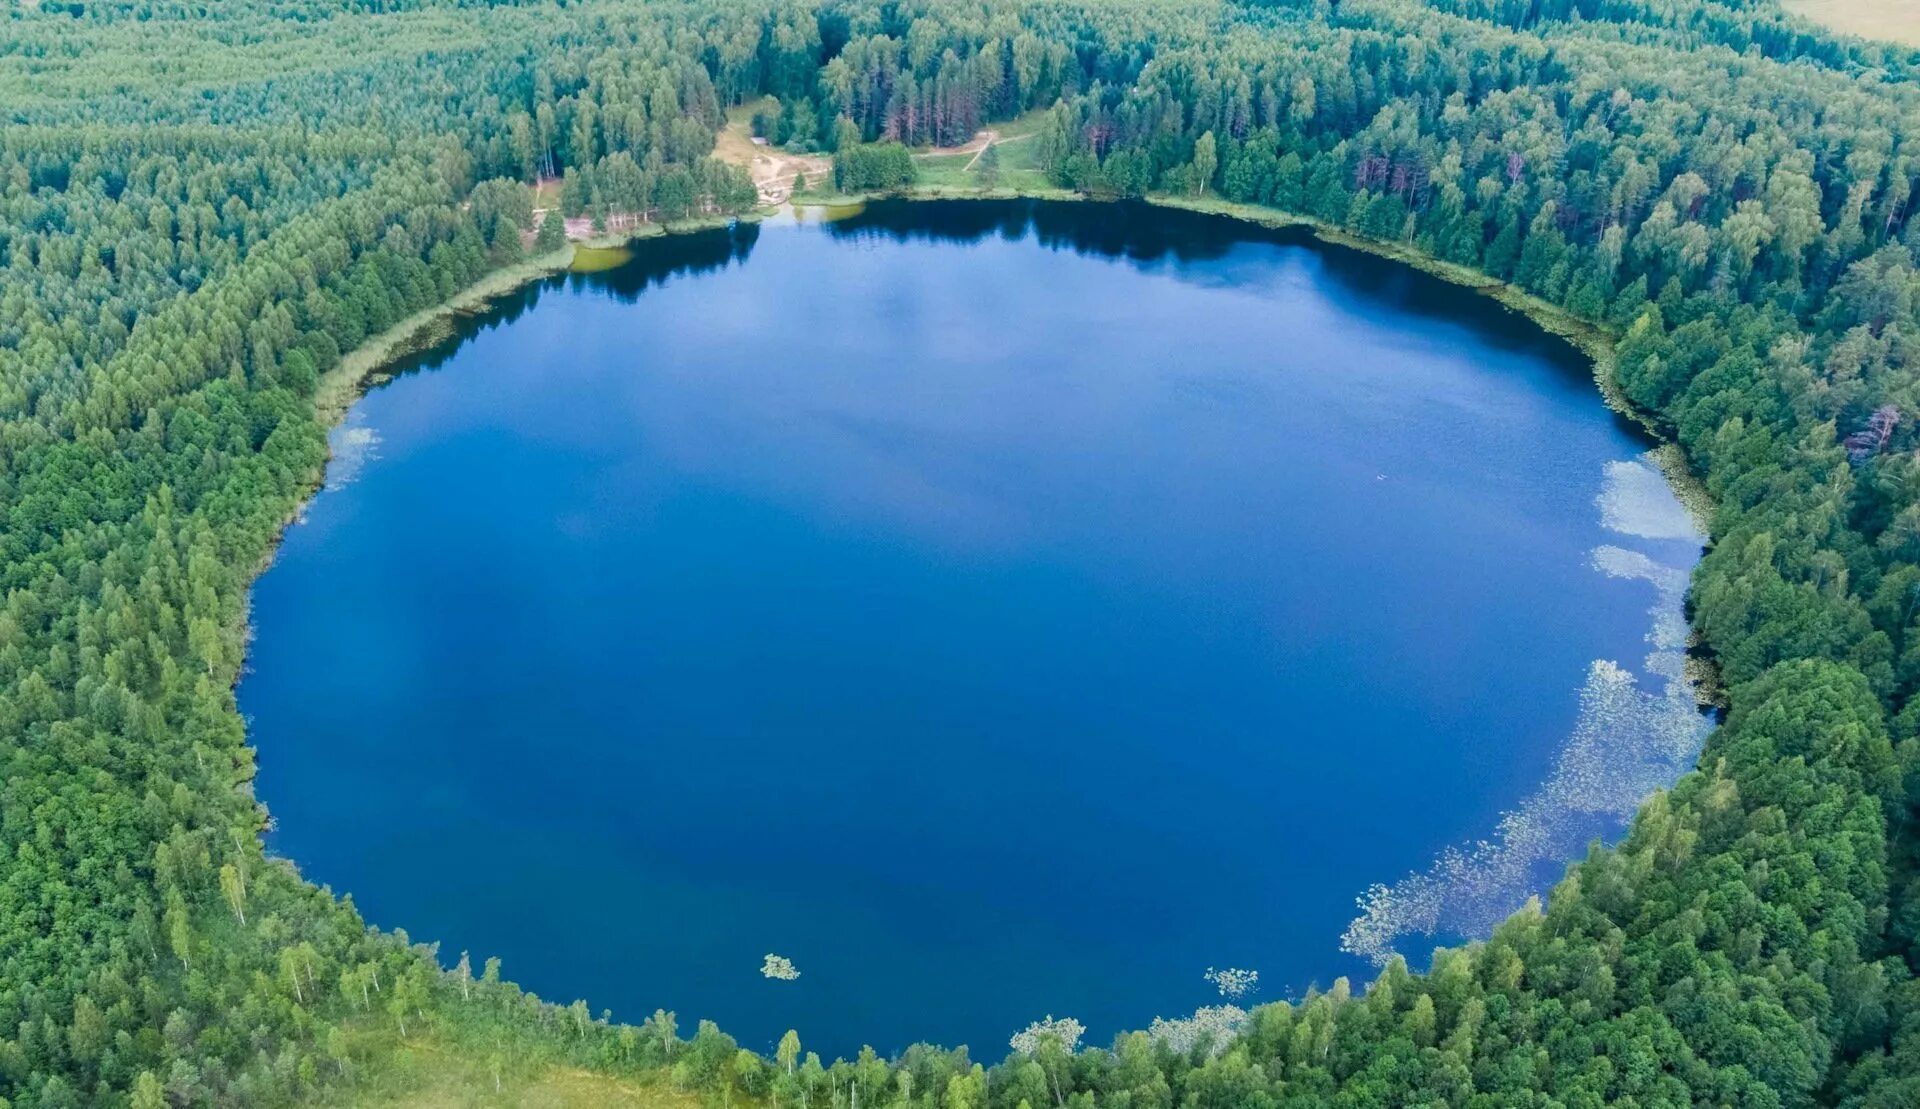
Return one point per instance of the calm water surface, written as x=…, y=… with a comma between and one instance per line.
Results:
x=999, y=610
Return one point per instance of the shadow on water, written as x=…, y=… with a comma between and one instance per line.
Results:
x=655, y=262
x=1181, y=244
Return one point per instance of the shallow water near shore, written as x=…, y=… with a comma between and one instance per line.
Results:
x=997, y=609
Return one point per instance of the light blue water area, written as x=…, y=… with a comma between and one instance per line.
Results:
x=999, y=610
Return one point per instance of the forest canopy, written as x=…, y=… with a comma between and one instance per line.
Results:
x=205, y=207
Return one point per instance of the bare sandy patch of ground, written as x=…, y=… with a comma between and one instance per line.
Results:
x=774, y=171
x=1891, y=20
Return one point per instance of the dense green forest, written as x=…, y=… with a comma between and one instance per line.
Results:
x=204, y=206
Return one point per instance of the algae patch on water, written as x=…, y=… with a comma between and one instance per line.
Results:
x=593, y=259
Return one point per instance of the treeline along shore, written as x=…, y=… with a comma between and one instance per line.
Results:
x=204, y=213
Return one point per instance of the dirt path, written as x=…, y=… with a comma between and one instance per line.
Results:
x=997, y=141
x=580, y=228
x=776, y=172
x=975, y=146
x=991, y=137
x=773, y=170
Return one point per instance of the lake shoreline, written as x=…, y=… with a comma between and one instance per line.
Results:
x=1592, y=340
x=546, y=443
x=343, y=385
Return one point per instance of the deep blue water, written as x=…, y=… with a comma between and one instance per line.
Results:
x=999, y=610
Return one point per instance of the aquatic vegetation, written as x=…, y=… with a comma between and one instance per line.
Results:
x=1233, y=982
x=208, y=205
x=1636, y=499
x=1211, y=1026
x=1628, y=743
x=354, y=445
x=779, y=967
x=1065, y=1031
x=505, y=372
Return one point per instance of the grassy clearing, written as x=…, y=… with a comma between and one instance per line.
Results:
x=1889, y=20
x=1022, y=126
x=1020, y=162
x=946, y=171
x=430, y=1073
x=1019, y=169
x=773, y=170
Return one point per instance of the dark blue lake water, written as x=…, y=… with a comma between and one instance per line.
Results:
x=999, y=610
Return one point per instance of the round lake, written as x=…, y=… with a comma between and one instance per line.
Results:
x=997, y=609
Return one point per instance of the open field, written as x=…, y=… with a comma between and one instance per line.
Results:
x=773, y=170
x=947, y=169
x=958, y=167
x=433, y=1074
x=1891, y=20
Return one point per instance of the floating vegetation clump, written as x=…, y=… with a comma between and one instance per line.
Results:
x=1628, y=743
x=1233, y=982
x=1636, y=499
x=779, y=967
x=354, y=445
